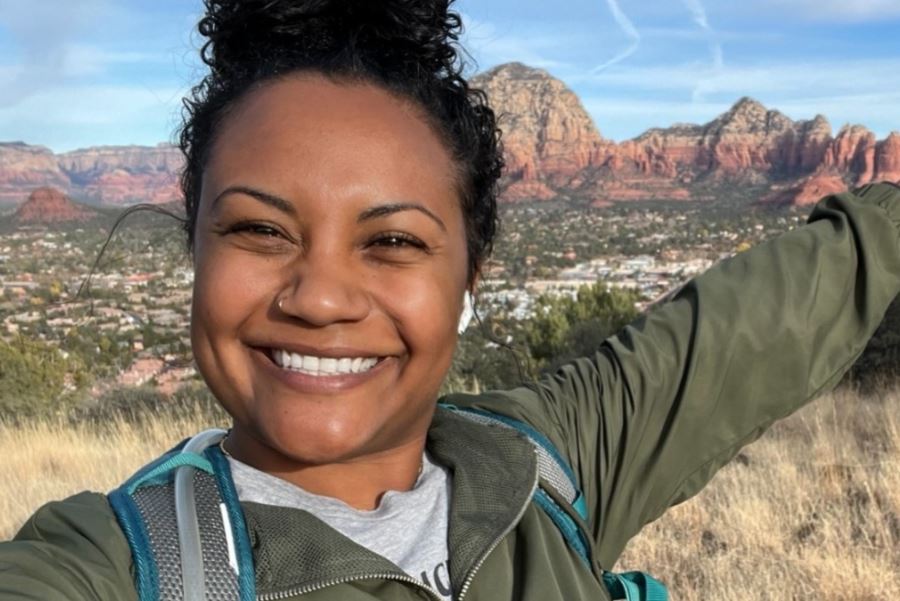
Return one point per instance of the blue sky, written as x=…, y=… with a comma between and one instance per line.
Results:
x=92, y=72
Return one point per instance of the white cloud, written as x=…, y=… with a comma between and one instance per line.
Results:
x=830, y=10
x=625, y=102
x=63, y=117
x=842, y=77
x=43, y=32
x=693, y=34
x=81, y=60
x=494, y=46
x=661, y=112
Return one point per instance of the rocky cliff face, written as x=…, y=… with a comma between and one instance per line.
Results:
x=553, y=149
x=23, y=168
x=117, y=175
x=47, y=205
x=548, y=137
x=84, y=162
x=745, y=141
x=887, y=159
x=852, y=151
x=107, y=175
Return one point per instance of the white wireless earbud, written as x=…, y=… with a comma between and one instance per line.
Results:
x=468, y=312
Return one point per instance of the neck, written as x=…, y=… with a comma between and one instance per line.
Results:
x=358, y=482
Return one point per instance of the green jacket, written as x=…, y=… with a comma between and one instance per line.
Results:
x=645, y=423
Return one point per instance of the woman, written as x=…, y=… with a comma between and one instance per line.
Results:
x=340, y=190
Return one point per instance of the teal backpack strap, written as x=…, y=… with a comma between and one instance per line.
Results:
x=181, y=517
x=634, y=586
x=554, y=470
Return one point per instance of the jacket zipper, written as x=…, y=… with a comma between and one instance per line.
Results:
x=468, y=581
x=302, y=590
x=280, y=596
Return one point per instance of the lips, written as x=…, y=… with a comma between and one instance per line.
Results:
x=314, y=365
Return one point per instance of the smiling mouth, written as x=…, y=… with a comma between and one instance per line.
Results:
x=322, y=366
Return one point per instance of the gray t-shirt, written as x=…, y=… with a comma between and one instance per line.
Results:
x=408, y=528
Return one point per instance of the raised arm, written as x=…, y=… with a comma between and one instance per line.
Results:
x=665, y=403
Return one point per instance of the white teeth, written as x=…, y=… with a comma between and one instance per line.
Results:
x=322, y=366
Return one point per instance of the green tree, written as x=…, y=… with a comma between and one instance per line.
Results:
x=32, y=377
x=482, y=364
x=564, y=328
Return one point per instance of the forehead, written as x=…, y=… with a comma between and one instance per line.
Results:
x=307, y=133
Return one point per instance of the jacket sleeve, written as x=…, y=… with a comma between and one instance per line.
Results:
x=665, y=403
x=72, y=550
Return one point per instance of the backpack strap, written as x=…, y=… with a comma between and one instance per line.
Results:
x=634, y=586
x=556, y=475
x=185, y=527
x=213, y=540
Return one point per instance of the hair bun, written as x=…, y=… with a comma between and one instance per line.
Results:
x=406, y=34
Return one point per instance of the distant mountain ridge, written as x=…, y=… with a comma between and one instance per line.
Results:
x=553, y=151
x=102, y=175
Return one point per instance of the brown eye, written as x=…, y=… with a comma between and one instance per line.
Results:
x=260, y=237
x=258, y=229
x=398, y=240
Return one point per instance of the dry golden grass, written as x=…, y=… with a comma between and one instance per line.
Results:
x=811, y=511
x=45, y=460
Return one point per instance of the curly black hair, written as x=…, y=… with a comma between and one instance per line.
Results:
x=408, y=47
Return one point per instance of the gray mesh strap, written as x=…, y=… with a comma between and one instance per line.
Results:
x=157, y=506
x=548, y=468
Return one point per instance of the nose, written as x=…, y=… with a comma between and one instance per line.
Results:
x=323, y=291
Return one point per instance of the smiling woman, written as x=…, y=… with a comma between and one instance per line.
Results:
x=340, y=189
x=329, y=230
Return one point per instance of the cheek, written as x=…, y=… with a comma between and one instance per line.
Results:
x=426, y=312
x=227, y=292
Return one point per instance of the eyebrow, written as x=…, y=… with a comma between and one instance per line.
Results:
x=286, y=206
x=397, y=207
x=264, y=197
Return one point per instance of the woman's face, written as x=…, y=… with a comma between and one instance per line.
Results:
x=330, y=266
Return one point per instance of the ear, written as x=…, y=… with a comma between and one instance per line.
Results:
x=467, y=313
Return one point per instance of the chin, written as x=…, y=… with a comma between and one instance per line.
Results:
x=318, y=440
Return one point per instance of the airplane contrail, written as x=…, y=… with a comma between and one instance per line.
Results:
x=698, y=14
x=628, y=29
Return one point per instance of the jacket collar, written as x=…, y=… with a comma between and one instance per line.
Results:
x=493, y=471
